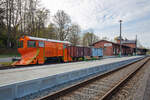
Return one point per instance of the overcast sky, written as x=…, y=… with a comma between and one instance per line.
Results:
x=102, y=16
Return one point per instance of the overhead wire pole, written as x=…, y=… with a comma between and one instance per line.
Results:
x=136, y=45
x=120, y=39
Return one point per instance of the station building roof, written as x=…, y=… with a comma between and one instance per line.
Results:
x=129, y=41
x=112, y=43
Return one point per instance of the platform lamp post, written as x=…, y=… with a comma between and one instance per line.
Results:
x=120, y=39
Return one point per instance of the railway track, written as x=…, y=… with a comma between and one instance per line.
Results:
x=35, y=65
x=25, y=66
x=135, y=87
x=101, y=87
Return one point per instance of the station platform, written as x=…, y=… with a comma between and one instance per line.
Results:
x=16, y=83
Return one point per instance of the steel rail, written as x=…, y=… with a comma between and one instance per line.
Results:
x=123, y=81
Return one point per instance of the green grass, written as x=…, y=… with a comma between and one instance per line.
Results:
x=9, y=55
x=8, y=52
x=5, y=63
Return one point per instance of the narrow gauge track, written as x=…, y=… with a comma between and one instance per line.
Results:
x=25, y=66
x=135, y=87
x=35, y=65
x=100, y=87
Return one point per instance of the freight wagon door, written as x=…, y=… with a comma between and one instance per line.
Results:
x=41, y=56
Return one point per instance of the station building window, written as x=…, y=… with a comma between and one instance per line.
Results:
x=41, y=44
x=31, y=44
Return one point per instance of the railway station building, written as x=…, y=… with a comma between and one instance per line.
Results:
x=133, y=44
x=112, y=49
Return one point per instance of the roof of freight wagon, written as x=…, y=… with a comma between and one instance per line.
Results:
x=44, y=39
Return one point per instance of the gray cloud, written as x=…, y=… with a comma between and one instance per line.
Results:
x=102, y=15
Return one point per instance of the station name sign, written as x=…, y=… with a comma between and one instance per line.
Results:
x=108, y=44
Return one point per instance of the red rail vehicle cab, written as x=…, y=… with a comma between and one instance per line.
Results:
x=35, y=50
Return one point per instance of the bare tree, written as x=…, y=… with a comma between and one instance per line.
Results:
x=89, y=39
x=2, y=10
x=25, y=17
x=74, y=36
x=8, y=12
x=22, y=17
x=49, y=32
x=62, y=22
x=40, y=20
x=29, y=17
x=105, y=38
x=2, y=25
x=13, y=20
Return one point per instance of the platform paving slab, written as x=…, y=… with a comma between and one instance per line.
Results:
x=16, y=83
